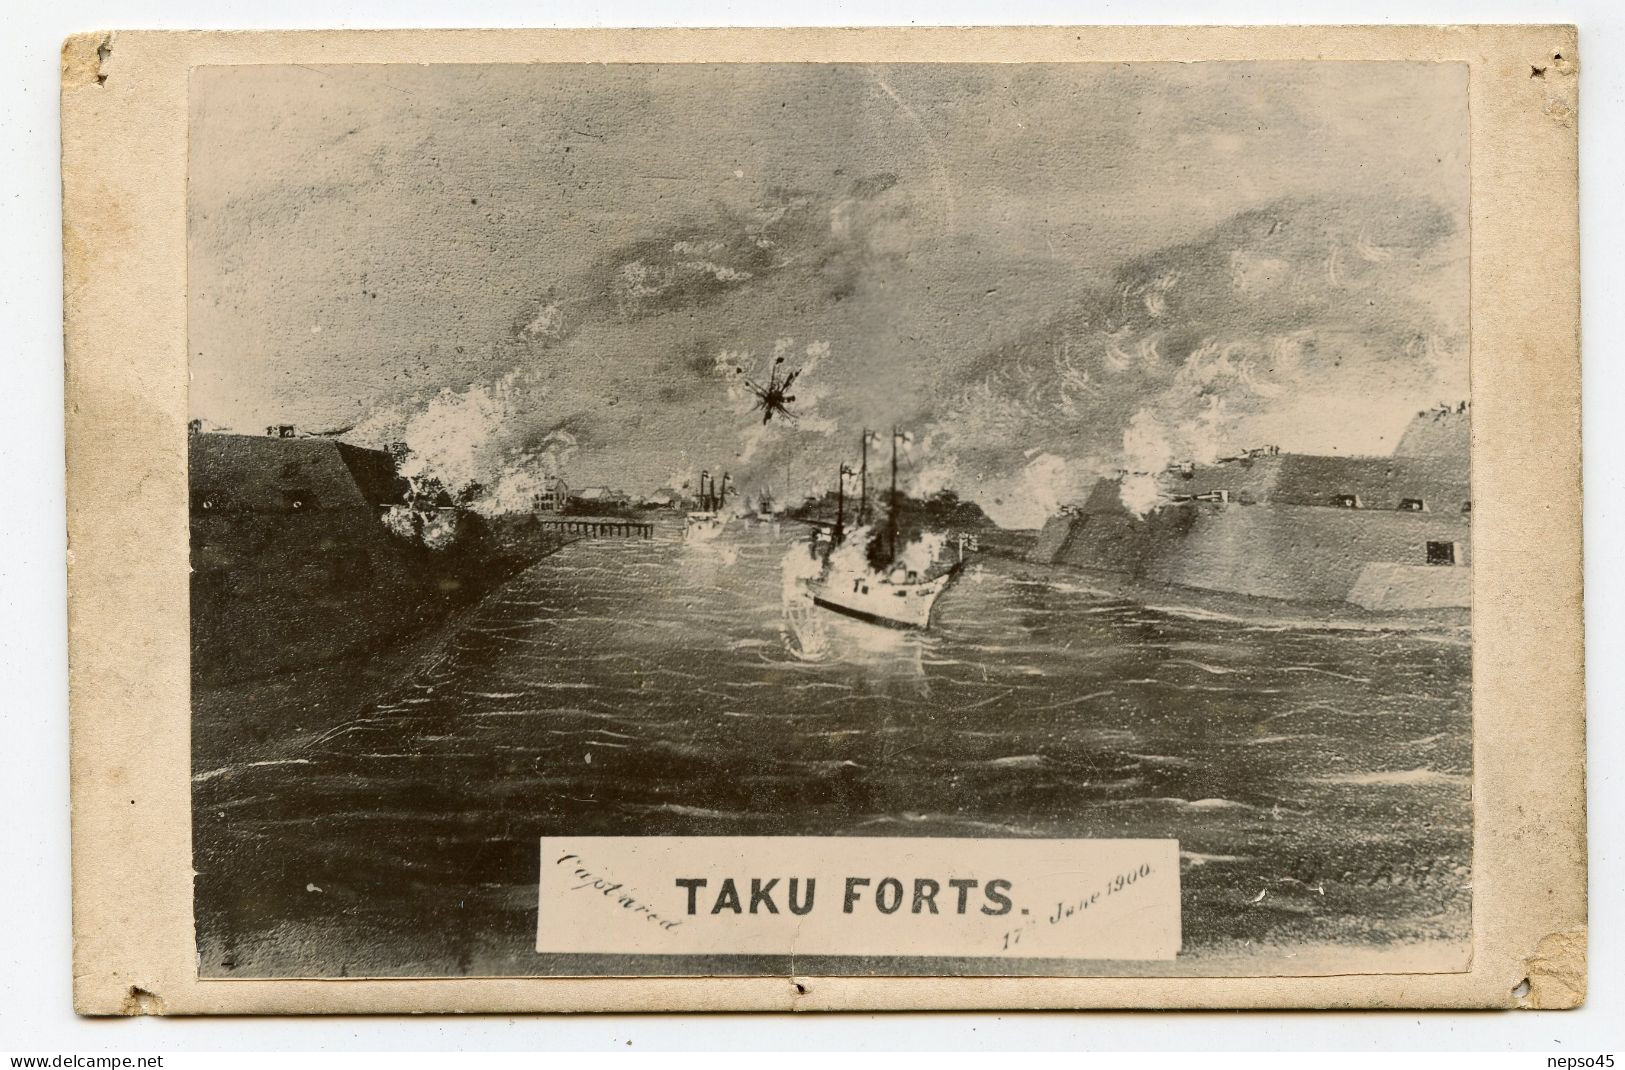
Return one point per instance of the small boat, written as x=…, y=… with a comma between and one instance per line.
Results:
x=702, y=526
x=766, y=511
x=895, y=596
x=707, y=522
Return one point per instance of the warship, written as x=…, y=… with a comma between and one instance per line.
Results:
x=899, y=593
x=707, y=522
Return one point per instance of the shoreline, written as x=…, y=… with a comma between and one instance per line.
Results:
x=1224, y=606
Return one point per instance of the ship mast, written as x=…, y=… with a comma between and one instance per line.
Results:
x=891, y=512
x=863, y=479
x=840, y=502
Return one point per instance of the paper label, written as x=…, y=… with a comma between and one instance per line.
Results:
x=874, y=896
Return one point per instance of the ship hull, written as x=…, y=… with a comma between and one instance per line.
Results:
x=904, y=606
x=867, y=617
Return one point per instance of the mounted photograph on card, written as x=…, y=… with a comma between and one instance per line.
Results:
x=984, y=505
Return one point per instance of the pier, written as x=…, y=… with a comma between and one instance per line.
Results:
x=599, y=526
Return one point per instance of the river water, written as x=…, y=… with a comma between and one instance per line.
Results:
x=1317, y=780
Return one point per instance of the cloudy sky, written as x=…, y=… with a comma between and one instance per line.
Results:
x=561, y=264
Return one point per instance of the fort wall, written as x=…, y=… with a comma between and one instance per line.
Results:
x=1442, y=432
x=1298, y=553
x=1297, y=479
x=1294, y=552
x=1384, y=586
x=291, y=561
x=1375, y=532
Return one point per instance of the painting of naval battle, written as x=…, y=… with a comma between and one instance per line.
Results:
x=912, y=450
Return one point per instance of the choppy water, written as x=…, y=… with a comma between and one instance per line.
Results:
x=1317, y=780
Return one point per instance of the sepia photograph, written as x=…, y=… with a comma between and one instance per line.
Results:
x=928, y=451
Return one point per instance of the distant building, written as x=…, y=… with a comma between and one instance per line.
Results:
x=601, y=496
x=199, y=425
x=555, y=497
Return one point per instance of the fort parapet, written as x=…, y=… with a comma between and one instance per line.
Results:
x=293, y=563
x=1373, y=533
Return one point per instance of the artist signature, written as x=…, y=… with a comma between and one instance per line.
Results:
x=1065, y=910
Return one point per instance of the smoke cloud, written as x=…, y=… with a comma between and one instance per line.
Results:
x=474, y=444
x=1255, y=328
x=1199, y=351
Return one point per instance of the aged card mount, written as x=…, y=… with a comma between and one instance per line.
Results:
x=824, y=519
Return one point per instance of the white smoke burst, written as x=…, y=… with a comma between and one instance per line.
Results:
x=922, y=553
x=1107, y=402
x=470, y=443
x=528, y=475
x=851, y=558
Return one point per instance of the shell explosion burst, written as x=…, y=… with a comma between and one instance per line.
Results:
x=775, y=397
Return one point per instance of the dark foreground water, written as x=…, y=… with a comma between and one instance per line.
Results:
x=1317, y=780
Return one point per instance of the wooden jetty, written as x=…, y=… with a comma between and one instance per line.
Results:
x=598, y=526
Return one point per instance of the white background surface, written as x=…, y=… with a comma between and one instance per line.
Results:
x=35, y=936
